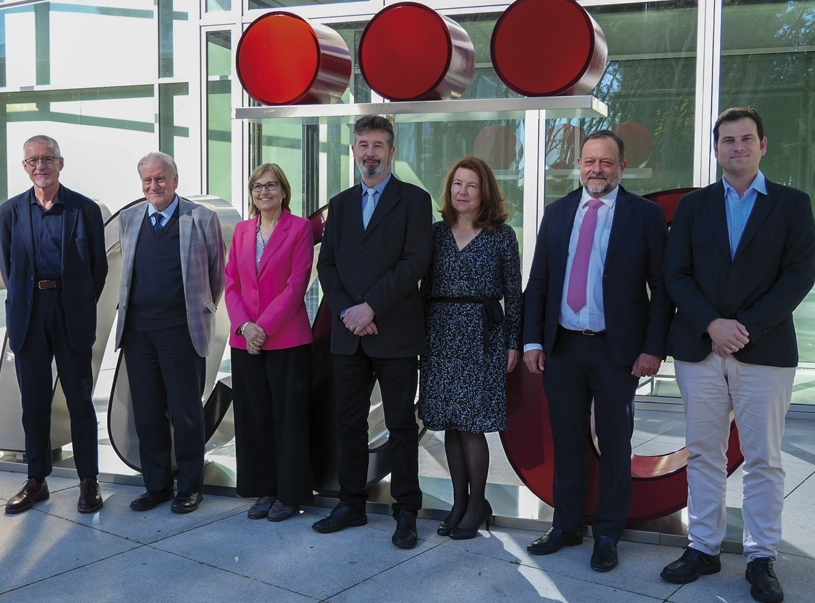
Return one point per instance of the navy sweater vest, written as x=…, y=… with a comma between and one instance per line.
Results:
x=157, y=290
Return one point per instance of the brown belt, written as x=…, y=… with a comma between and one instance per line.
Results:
x=49, y=284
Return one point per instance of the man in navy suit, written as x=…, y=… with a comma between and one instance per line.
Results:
x=589, y=322
x=375, y=249
x=52, y=257
x=740, y=258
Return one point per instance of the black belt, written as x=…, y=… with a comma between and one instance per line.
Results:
x=586, y=332
x=56, y=284
x=491, y=312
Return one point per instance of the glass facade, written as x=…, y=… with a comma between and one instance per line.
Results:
x=160, y=75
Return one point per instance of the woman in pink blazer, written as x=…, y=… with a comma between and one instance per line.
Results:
x=266, y=279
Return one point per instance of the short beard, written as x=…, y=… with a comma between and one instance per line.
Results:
x=372, y=173
x=605, y=187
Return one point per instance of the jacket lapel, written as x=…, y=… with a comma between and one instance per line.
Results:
x=762, y=208
x=24, y=216
x=131, y=226
x=718, y=217
x=387, y=200
x=622, y=212
x=70, y=215
x=185, y=235
x=249, y=247
x=561, y=247
x=279, y=236
x=355, y=208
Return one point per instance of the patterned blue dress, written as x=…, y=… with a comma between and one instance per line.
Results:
x=463, y=372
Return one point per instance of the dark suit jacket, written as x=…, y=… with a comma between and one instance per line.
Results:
x=773, y=269
x=84, y=265
x=634, y=323
x=380, y=265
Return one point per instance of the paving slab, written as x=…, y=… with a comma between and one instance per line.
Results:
x=116, y=516
x=794, y=573
x=146, y=574
x=291, y=555
x=638, y=571
x=35, y=545
x=447, y=573
x=797, y=521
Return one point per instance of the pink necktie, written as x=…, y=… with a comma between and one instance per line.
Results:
x=576, y=296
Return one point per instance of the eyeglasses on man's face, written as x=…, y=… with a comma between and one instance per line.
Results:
x=269, y=186
x=46, y=160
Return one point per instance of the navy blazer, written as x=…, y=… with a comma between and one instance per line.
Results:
x=635, y=323
x=84, y=265
x=771, y=273
x=381, y=265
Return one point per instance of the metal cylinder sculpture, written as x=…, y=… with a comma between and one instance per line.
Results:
x=282, y=59
x=409, y=52
x=548, y=47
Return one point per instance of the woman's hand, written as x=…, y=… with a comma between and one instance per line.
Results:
x=512, y=360
x=255, y=336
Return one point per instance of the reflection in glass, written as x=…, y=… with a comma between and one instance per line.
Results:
x=219, y=117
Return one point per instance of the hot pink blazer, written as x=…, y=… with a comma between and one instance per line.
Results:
x=272, y=296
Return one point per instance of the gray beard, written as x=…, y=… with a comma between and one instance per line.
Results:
x=371, y=173
x=605, y=187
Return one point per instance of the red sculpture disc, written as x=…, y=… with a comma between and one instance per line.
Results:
x=548, y=47
x=410, y=52
x=282, y=59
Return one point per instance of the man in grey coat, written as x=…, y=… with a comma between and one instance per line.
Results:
x=172, y=280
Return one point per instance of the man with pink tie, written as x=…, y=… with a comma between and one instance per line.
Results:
x=591, y=329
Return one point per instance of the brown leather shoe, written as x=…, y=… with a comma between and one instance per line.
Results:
x=31, y=492
x=90, y=496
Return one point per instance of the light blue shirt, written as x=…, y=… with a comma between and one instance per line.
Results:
x=738, y=210
x=379, y=188
x=591, y=316
x=165, y=215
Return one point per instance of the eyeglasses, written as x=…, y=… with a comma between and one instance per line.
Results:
x=46, y=160
x=269, y=186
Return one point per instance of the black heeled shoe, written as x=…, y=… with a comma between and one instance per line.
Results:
x=445, y=528
x=463, y=534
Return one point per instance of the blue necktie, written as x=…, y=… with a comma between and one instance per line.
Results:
x=156, y=222
x=368, y=209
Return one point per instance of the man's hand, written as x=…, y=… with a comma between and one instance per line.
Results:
x=255, y=336
x=358, y=317
x=512, y=360
x=646, y=365
x=727, y=335
x=369, y=329
x=534, y=359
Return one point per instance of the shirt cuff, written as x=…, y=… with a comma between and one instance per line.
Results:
x=532, y=346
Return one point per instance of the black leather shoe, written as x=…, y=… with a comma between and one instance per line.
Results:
x=690, y=566
x=150, y=500
x=459, y=533
x=186, y=502
x=765, y=586
x=405, y=536
x=445, y=527
x=90, y=496
x=341, y=517
x=261, y=508
x=31, y=492
x=553, y=541
x=604, y=557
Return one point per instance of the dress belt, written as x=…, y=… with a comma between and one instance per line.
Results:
x=585, y=332
x=55, y=284
x=491, y=312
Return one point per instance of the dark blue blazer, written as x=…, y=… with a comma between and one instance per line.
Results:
x=381, y=265
x=84, y=265
x=635, y=322
x=771, y=273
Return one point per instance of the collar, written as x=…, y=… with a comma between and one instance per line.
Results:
x=58, y=201
x=379, y=188
x=608, y=200
x=759, y=184
x=168, y=211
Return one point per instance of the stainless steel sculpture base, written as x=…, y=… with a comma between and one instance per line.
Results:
x=514, y=506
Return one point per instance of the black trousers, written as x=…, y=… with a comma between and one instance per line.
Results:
x=46, y=340
x=166, y=383
x=397, y=381
x=579, y=369
x=270, y=400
